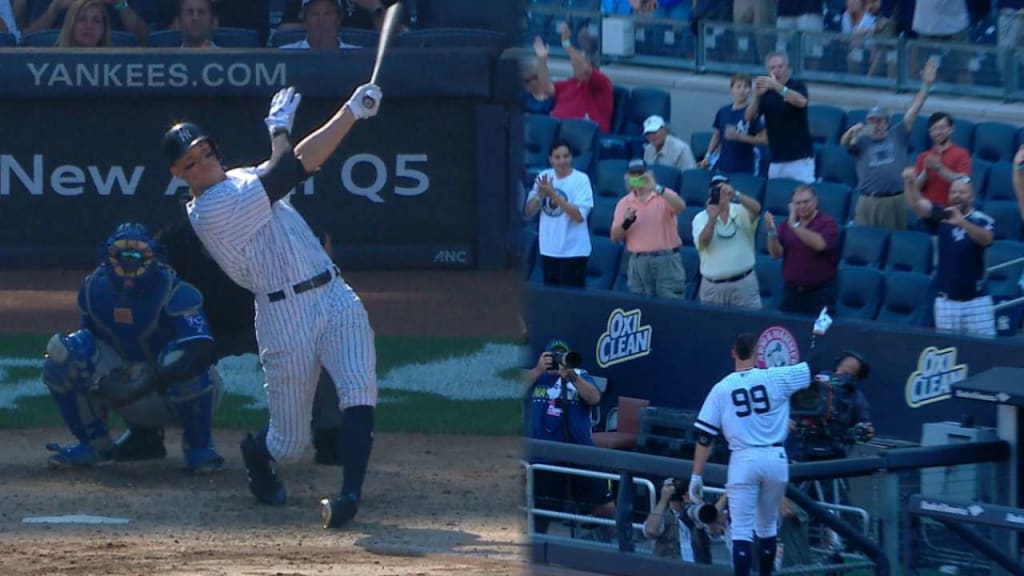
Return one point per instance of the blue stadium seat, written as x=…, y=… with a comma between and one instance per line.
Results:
x=980, y=170
x=527, y=251
x=748, y=184
x=281, y=37
x=603, y=264
x=164, y=39
x=614, y=147
x=357, y=37
x=909, y=251
x=836, y=165
x=856, y=116
x=851, y=208
x=691, y=263
x=224, y=37
x=7, y=39
x=833, y=199
x=668, y=176
x=963, y=133
x=769, y=280
x=622, y=278
x=777, y=194
x=684, y=223
x=994, y=141
x=582, y=135
x=620, y=104
x=1007, y=217
x=610, y=178
x=826, y=123
x=695, y=186
x=699, y=142
x=600, y=217
x=122, y=38
x=859, y=294
x=453, y=38
x=1000, y=183
x=1003, y=283
x=644, y=102
x=41, y=39
x=905, y=300
x=539, y=133
x=919, y=139
x=864, y=246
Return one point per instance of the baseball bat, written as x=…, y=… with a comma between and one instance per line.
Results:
x=386, y=32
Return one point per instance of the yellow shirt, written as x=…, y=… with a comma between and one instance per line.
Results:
x=731, y=249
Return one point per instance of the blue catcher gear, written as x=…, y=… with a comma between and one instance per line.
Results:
x=131, y=253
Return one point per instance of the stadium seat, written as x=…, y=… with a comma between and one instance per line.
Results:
x=836, y=165
x=360, y=37
x=122, y=39
x=777, y=194
x=856, y=116
x=164, y=39
x=994, y=141
x=622, y=279
x=1003, y=282
x=582, y=135
x=963, y=133
x=644, y=102
x=41, y=39
x=851, y=208
x=699, y=142
x=826, y=123
x=695, y=186
x=620, y=102
x=603, y=264
x=919, y=139
x=624, y=437
x=539, y=133
x=610, y=178
x=1007, y=217
x=668, y=176
x=834, y=200
x=281, y=37
x=905, y=300
x=748, y=185
x=691, y=263
x=600, y=217
x=614, y=147
x=859, y=293
x=1000, y=183
x=769, y=280
x=864, y=246
x=684, y=224
x=527, y=251
x=453, y=38
x=7, y=39
x=223, y=37
x=909, y=251
x=980, y=170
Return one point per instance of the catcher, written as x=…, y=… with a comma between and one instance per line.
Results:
x=144, y=350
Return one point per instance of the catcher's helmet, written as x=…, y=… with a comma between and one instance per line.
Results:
x=181, y=138
x=131, y=253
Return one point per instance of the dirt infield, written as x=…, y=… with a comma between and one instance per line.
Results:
x=433, y=504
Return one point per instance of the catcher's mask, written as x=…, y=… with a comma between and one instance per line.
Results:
x=131, y=253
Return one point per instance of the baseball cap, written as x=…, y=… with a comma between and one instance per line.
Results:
x=653, y=124
x=636, y=166
x=877, y=112
x=558, y=346
x=718, y=179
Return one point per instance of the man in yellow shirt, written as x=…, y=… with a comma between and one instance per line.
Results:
x=724, y=235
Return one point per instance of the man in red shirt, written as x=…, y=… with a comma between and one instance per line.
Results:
x=588, y=94
x=944, y=163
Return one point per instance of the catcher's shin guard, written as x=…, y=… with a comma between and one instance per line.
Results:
x=82, y=419
x=196, y=419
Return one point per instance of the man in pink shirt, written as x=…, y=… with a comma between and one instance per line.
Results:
x=588, y=94
x=646, y=219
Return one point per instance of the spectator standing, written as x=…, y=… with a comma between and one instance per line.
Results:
x=12, y=14
x=564, y=198
x=807, y=245
x=646, y=218
x=361, y=14
x=588, y=94
x=321, y=19
x=197, y=20
x=942, y=164
x=856, y=19
x=732, y=148
x=1011, y=23
x=724, y=235
x=119, y=13
x=881, y=156
x=537, y=93
x=759, y=13
x=664, y=148
x=962, y=305
x=783, y=102
x=941, y=20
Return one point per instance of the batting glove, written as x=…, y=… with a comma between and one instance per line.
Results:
x=696, y=489
x=365, y=101
x=822, y=324
x=282, y=110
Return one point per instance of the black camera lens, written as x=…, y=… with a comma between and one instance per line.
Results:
x=572, y=360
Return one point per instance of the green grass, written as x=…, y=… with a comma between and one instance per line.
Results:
x=398, y=411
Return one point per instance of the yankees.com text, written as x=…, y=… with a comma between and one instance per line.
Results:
x=157, y=74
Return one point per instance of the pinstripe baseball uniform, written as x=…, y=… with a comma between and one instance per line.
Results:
x=306, y=315
x=751, y=409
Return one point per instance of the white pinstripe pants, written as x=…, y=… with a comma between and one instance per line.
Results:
x=327, y=327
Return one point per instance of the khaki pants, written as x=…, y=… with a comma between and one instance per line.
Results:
x=660, y=275
x=743, y=293
x=889, y=212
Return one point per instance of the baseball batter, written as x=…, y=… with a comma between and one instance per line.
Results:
x=306, y=315
x=751, y=408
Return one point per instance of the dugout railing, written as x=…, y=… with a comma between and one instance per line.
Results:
x=883, y=548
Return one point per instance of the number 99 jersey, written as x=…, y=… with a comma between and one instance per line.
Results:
x=751, y=407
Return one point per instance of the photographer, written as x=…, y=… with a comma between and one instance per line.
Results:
x=677, y=525
x=560, y=396
x=835, y=416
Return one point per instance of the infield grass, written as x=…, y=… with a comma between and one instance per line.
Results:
x=456, y=403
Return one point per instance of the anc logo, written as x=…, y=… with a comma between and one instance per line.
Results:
x=933, y=380
x=625, y=339
x=776, y=347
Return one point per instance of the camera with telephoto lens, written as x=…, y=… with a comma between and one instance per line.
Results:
x=701, y=513
x=568, y=359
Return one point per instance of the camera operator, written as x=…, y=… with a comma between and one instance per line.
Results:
x=560, y=397
x=677, y=524
x=830, y=420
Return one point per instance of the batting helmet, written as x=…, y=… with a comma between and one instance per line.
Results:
x=181, y=138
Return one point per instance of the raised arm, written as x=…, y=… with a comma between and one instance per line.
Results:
x=581, y=67
x=314, y=149
x=927, y=79
x=540, y=49
x=912, y=192
x=47, y=19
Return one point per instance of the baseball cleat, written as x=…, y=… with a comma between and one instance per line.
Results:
x=336, y=512
x=78, y=456
x=263, y=481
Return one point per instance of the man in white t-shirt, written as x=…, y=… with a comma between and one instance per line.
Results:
x=564, y=197
x=321, y=19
